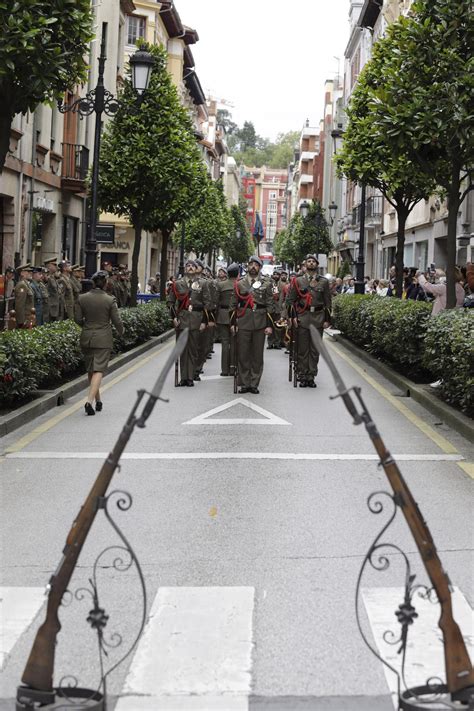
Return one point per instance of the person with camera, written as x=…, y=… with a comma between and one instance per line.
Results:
x=438, y=288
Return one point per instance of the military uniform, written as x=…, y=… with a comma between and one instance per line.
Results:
x=38, y=298
x=190, y=302
x=54, y=299
x=66, y=291
x=250, y=306
x=275, y=340
x=309, y=300
x=24, y=300
x=45, y=294
x=75, y=282
x=225, y=289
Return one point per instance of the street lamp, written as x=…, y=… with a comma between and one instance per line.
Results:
x=332, y=207
x=99, y=101
x=304, y=209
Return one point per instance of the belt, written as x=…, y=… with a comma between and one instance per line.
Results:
x=259, y=306
x=313, y=309
x=197, y=308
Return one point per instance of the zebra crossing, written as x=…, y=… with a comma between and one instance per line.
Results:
x=198, y=651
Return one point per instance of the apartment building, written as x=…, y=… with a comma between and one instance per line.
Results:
x=265, y=191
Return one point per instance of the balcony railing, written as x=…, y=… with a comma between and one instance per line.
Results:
x=374, y=206
x=75, y=164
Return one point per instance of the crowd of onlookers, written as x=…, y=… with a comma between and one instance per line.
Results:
x=427, y=286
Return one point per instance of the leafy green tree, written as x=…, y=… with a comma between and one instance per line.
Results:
x=367, y=155
x=426, y=103
x=209, y=226
x=344, y=269
x=311, y=233
x=42, y=52
x=151, y=170
x=247, y=136
x=238, y=246
x=284, y=247
x=283, y=149
x=224, y=119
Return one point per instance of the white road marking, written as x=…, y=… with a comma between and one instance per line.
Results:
x=268, y=418
x=18, y=609
x=214, y=377
x=195, y=653
x=301, y=456
x=425, y=652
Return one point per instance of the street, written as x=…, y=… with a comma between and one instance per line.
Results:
x=250, y=522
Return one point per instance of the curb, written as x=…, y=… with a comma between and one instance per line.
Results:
x=420, y=393
x=58, y=396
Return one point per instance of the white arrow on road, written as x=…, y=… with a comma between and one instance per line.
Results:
x=268, y=418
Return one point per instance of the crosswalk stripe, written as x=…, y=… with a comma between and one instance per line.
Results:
x=195, y=653
x=425, y=653
x=18, y=609
x=300, y=456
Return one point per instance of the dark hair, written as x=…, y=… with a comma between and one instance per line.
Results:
x=99, y=281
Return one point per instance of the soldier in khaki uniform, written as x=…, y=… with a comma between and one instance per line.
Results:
x=52, y=285
x=309, y=303
x=44, y=290
x=24, y=298
x=66, y=294
x=250, y=306
x=275, y=339
x=35, y=285
x=189, y=302
x=225, y=289
x=95, y=311
x=75, y=278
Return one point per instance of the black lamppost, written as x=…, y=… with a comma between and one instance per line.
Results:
x=99, y=101
x=181, y=250
x=332, y=207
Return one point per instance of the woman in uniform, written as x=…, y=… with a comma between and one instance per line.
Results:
x=95, y=312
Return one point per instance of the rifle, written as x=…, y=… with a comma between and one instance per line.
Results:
x=290, y=353
x=38, y=673
x=295, y=356
x=176, y=365
x=236, y=362
x=459, y=671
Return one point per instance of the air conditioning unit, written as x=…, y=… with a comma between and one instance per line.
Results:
x=48, y=205
x=38, y=202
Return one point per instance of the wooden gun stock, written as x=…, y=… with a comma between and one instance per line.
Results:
x=40, y=665
x=459, y=670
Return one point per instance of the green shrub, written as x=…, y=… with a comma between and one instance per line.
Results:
x=44, y=356
x=449, y=354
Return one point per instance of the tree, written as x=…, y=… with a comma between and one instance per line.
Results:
x=42, y=52
x=311, y=233
x=284, y=247
x=247, y=136
x=224, y=119
x=209, y=226
x=238, y=246
x=367, y=155
x=426, y=102
x=283, y=149
x=151, y=170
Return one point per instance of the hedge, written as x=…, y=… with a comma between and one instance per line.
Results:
x=406, y=336
x=45, y=356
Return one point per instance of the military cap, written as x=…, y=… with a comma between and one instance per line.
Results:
x=222, y=269
x=25, y=267
x=190, y=261
x=74, y=266
x=37, y=270
x=283, y=271
x=50, y=260
x=199, y=263
x=106, y=264
x=256, y=259
x=77, y=268
x=63, y=264
x=101, y=274
x=233, y=269
x=9, y=270
x=312, y=256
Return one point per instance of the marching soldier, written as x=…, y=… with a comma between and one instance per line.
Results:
x=24, y=298
x=309, y=302
x=189, y=303
x=52, y=285
x=250, y=306
x=203, y=337
x=225, y=288
x=275, y=340
x=37, y=275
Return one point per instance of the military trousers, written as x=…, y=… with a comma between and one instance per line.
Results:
x=188, y=360
x=275, y=340
x=250, y=345
x=308, y=355
x=227, y=347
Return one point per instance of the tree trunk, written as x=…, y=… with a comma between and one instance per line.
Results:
x=135, y=255
x=165, y=236
x=454, y=203
x=5, y=125
x=402, y=214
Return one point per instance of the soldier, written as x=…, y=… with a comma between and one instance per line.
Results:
x=203, y=336
x=225, y=288
x=275, y=339
x=43, y=285
x=53, y=288
x=75, y=279
x=250, y=306
x=24, y=298
x=66, y=293
x=309, y=302
x=35, y=282
x=189, y=303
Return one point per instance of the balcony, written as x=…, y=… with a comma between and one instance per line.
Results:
x=305, y=179
x=374, y=207
x=75, y=165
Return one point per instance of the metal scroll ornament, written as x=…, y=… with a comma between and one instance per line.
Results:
x=118, y=558
x=432, y=695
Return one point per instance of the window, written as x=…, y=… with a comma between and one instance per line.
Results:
x=272, y=195
x=355, y=68
x=135, y=28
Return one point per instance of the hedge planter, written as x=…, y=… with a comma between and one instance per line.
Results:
x=48, y=355
x=406, y=336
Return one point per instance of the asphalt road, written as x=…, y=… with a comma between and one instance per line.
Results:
x=250, y=526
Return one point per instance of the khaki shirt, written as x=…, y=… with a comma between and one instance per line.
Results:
x=314, y=304
x=24, y=302
x=193, y=303
x=53, y=293
x=225, y=290
x=248, y=318
x=95, y=312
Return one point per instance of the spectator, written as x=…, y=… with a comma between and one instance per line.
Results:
x=438, y=289
x=150, y=286
x=415, y=291
x=338, y=285
x=382, y=288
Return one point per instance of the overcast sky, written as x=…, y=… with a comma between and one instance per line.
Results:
x=270, y=58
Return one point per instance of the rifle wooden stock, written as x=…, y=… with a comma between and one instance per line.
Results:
x=290, y=354
x=459, y=671
x=236, y=362
x=39, y=669
x=295, y=356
